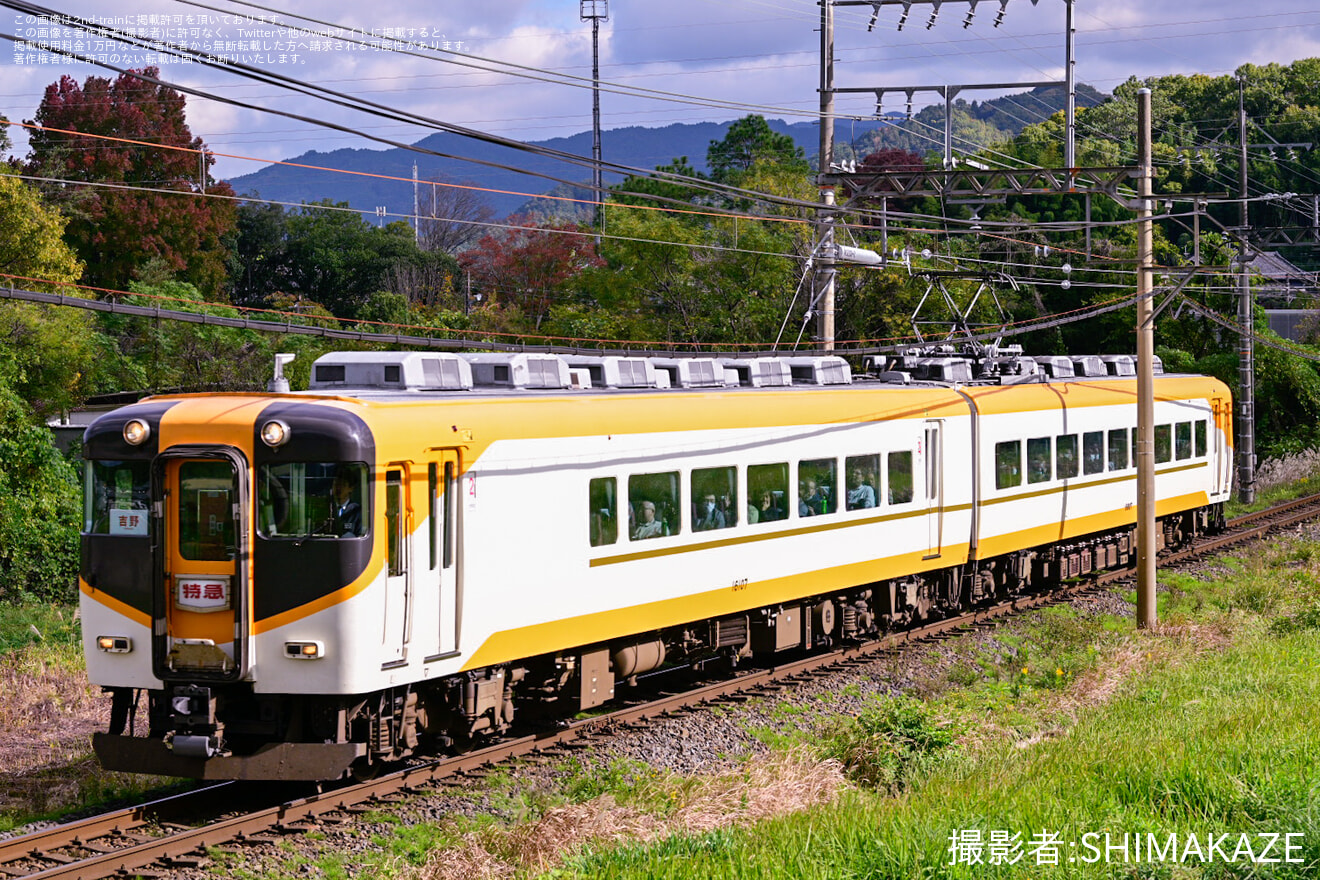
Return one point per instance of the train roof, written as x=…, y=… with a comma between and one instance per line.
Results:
x=397, y=375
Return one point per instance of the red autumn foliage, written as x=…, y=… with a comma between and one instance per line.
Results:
x=529, y=266
x=119, y=233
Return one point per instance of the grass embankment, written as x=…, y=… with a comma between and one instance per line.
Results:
x=1062, y=727
x=47, y=715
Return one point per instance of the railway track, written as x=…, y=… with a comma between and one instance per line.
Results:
x=153, y=839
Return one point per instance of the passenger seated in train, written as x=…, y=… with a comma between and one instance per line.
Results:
x=649, y=527
x=861, y=494
x=729, y=507
x=769, y=509
x=813, y=500
x=707, y=515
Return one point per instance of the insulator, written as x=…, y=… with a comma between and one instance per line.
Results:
x=902, y=19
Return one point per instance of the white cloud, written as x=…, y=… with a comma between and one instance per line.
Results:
x=761, y=52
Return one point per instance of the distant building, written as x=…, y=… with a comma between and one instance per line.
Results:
x=1289, y=295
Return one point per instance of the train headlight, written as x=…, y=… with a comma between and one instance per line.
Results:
x=304, y=650
x=274, y=433
x=136, y=432
x=114, y=644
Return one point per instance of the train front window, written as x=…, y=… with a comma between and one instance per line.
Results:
x=117, y=498
x=207, y=492
x=321, y=499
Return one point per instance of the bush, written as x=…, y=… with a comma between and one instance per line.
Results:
x=887, y=743
x=40, y=505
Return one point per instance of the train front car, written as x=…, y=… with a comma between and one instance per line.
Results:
x=211, y=524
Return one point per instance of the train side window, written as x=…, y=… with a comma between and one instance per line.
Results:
x=1093, y=452
x=1118, y=449
x=900, y=477
x=433, y=511
x=863, y=480
x=1038, y=460
x=714, y=498
x=451, y=512
x=767, y=492
x=602, y=511
x=1065, y=456
x=1163, y=443
x=1182, y=440
x=1200, y=439
x=394, y=525
x=818, y=487
x=654, y=505
x=1008, y=464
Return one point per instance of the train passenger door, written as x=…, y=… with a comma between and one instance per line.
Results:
x=1221, y=427
x=443, y=492
x=934, y=449
x=398, y=578
x=202, y=607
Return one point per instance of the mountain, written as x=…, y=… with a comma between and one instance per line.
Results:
x=508, y=190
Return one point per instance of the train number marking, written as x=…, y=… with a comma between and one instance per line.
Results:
x=740, y=584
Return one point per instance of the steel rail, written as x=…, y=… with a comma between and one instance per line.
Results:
x=186, y=845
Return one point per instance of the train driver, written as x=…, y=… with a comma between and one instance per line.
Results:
x=347, y=512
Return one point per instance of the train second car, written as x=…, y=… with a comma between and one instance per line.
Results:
x=423, y=546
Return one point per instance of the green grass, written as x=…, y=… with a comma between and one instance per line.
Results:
x=52, y=629
x=1223, y=742
x=1211, y=730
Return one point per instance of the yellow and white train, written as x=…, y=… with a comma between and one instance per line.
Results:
x=422, y=544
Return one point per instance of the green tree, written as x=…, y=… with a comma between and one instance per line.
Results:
x=47, y=353
x=258, y=260
x=162, y=354
x=748, y=141
x=327, y=253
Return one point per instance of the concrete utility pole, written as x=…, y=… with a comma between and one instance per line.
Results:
x=825, y=270
x=596, y=11
x=1070, y=79
x=1146, y=544
x=1246, y=420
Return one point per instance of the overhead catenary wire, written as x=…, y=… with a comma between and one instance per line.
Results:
x=555, y=344
x=372, y=108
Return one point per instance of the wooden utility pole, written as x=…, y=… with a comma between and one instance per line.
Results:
x=1146, y=524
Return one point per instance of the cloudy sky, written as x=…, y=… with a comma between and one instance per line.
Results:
x=759, y=55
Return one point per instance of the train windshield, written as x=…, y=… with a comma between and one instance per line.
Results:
x=117, y=498
x=301, y=499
